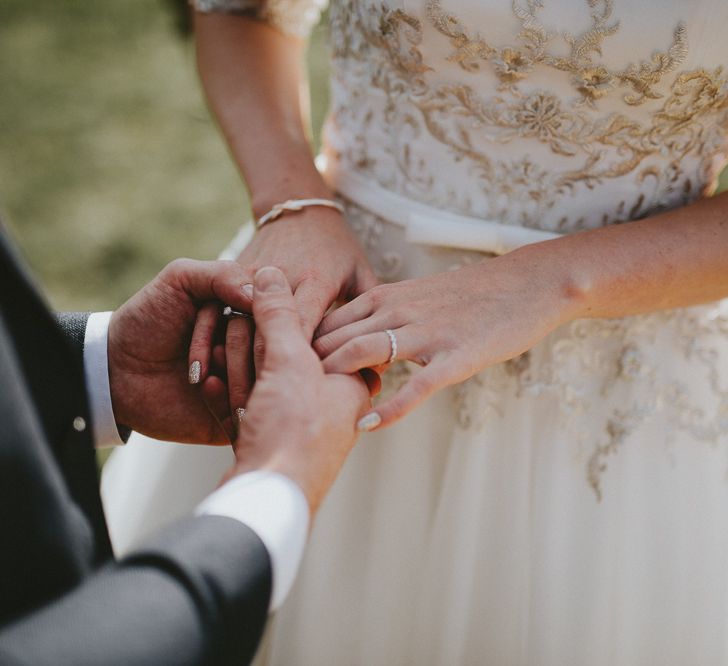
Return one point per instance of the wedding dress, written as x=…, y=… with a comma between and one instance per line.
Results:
x=569, y=506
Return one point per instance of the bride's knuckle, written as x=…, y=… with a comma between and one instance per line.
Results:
x=357, y=348
x=400, y=314
x=376, y=296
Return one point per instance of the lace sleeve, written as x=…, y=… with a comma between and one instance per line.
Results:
x=293, y=17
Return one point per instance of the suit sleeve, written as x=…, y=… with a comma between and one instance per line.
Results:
x=196, y=594
x=76, y=327
x=73, y=326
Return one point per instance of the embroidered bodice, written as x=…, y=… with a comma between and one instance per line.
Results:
x=532, y=113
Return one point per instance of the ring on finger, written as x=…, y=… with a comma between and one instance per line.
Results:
x=392, y=345
x=229, y=313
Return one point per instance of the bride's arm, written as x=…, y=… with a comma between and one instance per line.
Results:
x=460, y=322
x=675, y=259
x=251, y=69
x=252, y=75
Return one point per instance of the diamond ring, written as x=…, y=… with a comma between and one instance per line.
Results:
x=392, y=345
x=229, y=313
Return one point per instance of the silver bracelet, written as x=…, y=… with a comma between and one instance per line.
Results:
x=293, y=206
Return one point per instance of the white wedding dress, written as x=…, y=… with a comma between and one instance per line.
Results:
x=568, y=507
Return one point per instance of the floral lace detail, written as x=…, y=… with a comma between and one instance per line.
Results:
x=592, y=80
x=293, y=17
x=387, y=263
x=671, y=153
x=610, y=372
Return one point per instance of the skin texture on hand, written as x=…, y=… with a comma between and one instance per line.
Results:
x=319, y=256
x=454, y=324
x=149, y=339
x=323, y=263
x=299, y=421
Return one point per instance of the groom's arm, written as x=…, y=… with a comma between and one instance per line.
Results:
x=87, y=336
x=73, y=326
x=196, y=594
x=199, y=593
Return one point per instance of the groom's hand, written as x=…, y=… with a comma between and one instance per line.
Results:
x=323, y=262
x=149, y=338
x=299, y=421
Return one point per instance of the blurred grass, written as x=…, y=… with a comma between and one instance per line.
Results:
x=110, y=165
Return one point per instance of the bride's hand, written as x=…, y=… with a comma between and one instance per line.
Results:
x=454, y=324
x=319, y=255
x=322, y=261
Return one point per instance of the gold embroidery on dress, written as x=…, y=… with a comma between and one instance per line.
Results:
x=592, y=80
x=691, y=122
x=607, y=386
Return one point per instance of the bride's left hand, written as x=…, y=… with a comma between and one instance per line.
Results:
x=454, y=324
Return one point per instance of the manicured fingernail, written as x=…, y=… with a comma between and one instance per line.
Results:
x=247, y=289
x=240, y=414
x=270, y=279
x=368, y=422
x=194, y=373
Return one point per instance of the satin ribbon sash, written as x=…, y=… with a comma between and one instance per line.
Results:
x=427, y=225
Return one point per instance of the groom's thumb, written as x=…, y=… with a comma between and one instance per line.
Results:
x=276, y=317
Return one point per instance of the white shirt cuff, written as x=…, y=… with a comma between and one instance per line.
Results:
x=96, y=369
x=275, y=508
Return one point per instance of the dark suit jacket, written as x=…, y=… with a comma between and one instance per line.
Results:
x=196, y=594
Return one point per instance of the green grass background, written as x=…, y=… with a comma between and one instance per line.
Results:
x=110, y=165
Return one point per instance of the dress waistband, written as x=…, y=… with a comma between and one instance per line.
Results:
x=424, y=224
